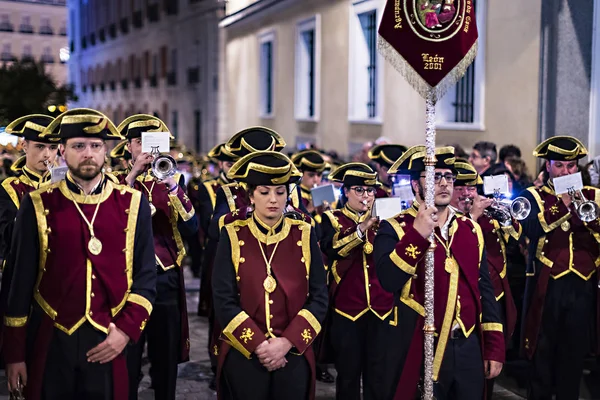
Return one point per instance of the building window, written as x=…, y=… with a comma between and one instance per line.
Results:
x=175, y=124
x=7, y=54
x=307, y=76
x=26, y=26
x=45, y=28
x=267, y=45
x=47, y=56
x=365, y=72
x=462, y=106
x=27, y=54
x=5, y=25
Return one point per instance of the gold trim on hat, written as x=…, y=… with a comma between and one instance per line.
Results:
x=216, y=151
x=299, y=159
x=404, y=157
x=227, y=149
x=28, y=124
x=289, y=170
x=119, y=150
x=579, y=150
x=82, y=115
x=381, y=153
x=143, y=121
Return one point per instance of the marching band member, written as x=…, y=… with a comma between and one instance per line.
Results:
x=172, y=216
x=40, y=153
x=384, y=156
x=498, y=235
x=562, y=288
x=312, y=164
x=269, y=290
x=84, y=277
x=361, y=307
x=469, y=343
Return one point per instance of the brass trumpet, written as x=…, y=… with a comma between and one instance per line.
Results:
x=587, y=210
x=163, y=166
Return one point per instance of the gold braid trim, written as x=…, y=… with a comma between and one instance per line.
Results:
x=15, y=322
x=140, y=301
x=231, y=327
x=492, y=327
x=307, y=315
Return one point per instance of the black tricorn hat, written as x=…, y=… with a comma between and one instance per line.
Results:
x=253, y=139
x=355, y=174
x=30, y=127
x=120, y=151
x=266, y=168
x=309, y=160
x=82, y=122
x=386, y=154
x=466, y=174
x=218, y=154
x=413, y=160
x=561, y=148
x=133, y=126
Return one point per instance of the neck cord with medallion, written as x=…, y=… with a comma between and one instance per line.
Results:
x=94, y=244
x=449, y=263
x=269, y=283
x=152, y=207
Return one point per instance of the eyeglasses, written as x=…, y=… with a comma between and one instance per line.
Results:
x=450, y=178
x=361, y=190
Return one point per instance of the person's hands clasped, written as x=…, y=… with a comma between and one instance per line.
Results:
x=272, y=353
x=426, y=220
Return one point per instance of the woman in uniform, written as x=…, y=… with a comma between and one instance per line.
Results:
x=269, y=289
x=361, y=309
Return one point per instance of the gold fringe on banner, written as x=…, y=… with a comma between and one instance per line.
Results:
x=415, y=80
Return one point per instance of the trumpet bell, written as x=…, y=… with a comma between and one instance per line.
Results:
x=164, y=166
x=520, y=208
x=588, y=211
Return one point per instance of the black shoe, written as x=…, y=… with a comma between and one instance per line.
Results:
x=212, y=385
x=324, y=376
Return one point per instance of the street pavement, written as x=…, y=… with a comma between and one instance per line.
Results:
x=195, y=375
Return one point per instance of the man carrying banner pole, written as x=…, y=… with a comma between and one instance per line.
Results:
x=432, y=47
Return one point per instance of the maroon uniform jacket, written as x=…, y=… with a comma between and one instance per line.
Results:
x=250, y=314
x=560, y=244
x=496, y=238
x=59, y=283
x=464, y=295
x=354, y=286
x=168, y=244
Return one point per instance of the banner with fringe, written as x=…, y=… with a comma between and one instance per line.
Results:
x=430, y=42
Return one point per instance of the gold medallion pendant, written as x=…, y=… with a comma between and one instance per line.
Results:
x=95, y=246
x=368, y=248
x=152, y=210
x=269, y=284
x=565, y=226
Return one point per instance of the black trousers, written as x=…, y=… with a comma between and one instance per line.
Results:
x=244, y=379
x=68, y=375
x=564, y=338
x=163, y=334
x=360, y=350
x=462, y=374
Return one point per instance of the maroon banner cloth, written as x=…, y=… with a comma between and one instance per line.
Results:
x=430, y=42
